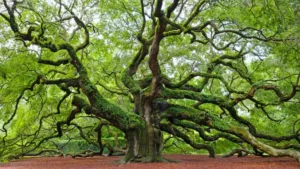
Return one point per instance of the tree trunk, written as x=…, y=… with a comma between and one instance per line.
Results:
x=145, y=144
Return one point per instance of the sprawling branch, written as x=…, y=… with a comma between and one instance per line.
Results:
x=172, y=7
x=194, y=13
x=239, y=152
x=81, y=24
x=37, y=81
x=282, y=97
x=168, y=83
x=191, y=125
x=202, y=118
x=54, y=63
x=253, y=130
x=203, y=98
x=176, y=132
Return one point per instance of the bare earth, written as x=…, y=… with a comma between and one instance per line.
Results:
x=186, y=162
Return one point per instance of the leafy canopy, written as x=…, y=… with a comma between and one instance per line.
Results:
x=77, y=71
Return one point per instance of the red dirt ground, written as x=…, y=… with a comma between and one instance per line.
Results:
x=186, y=162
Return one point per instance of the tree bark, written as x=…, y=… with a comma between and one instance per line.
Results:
x=145, y=144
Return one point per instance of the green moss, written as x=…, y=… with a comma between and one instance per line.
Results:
x=181, y=94
x=134, y=121
x=220, y=124
x=180, y=112
x=241, y=131
x=113, y=112
x=172, y=32
x=89, y=87
x=128, y=81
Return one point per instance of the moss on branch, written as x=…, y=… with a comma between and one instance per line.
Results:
x=130, y=83
x=203, y=118
x=185, y=113
x=109, y=111
x=185, y=94
x=187, y=139
x=191, y=125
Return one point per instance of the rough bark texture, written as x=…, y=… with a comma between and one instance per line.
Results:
x=145, y=144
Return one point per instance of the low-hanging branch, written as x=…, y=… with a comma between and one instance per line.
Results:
x=54, y=63
x=253, y=131
x=240, y=152
x=187, y=124
x=176, y=132
x=203, y=118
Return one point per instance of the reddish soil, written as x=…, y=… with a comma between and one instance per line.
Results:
x=186, y=162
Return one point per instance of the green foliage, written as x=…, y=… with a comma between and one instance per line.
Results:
x=220, y=64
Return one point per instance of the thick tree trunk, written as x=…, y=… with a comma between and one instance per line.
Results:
x=145, y=144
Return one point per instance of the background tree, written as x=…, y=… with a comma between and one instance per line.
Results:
x=152, y=70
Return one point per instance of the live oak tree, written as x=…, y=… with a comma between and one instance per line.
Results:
x=151, y=69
